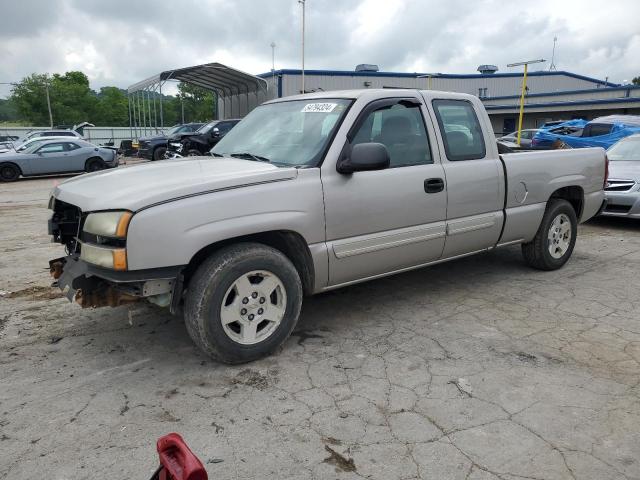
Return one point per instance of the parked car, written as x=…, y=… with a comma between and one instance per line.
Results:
x=8, y=138
x=6, y=147
x=623, y=188
x=155, y=146
x=48, y=133
x=525, y=137
x=310, y=193
x=23, y=146
x=56, y=156
x=200, y=142
x=600, y=132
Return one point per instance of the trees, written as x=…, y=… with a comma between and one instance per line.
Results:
x=73, y=101
x=198, y=103
x=636, y=81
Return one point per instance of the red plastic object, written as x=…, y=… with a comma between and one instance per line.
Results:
x=177, y=461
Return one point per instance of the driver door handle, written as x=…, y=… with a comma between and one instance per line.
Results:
x=433, y=185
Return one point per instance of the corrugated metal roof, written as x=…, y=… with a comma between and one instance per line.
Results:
x=213, y=76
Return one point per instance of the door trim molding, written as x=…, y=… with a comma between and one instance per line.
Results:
x=388, y=239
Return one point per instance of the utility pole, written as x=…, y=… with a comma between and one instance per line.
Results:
x=46, y=87
x=302, y=2
x=524, y=89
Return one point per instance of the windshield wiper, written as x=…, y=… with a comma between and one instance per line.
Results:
x=250, y=156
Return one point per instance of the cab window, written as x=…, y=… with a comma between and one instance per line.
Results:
x=400, y=128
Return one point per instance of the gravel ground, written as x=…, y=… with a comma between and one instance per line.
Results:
x=477, y=369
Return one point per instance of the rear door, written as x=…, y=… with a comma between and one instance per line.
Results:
x=50, y=158
x=387, y=220
x=474, y=175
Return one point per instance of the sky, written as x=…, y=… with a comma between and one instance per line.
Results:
x=119, y=42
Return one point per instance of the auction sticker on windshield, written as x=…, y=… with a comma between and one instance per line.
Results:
x=318, y=107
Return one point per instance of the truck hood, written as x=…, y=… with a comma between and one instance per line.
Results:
x=133, y=188
x=624, y=170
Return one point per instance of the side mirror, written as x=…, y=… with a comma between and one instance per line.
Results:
x=215, y=132
x=365, y=157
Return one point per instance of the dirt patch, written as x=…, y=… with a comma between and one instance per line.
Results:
x=36, y=293
x=340, y=461
x=251, y=378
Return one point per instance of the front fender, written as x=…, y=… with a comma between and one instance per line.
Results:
x=171, y=233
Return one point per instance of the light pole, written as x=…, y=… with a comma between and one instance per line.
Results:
x=524, y=88
x=302, y=2
x=273, y=63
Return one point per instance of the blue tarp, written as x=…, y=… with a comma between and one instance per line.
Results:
x=619, y=130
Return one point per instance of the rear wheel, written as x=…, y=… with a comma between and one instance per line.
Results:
x=556, y=237
x=94, y=164
x=194, y=153
x=9, y=172
x=158, y=153
x=243, y=302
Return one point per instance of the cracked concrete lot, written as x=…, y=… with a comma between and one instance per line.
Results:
x=477, y=369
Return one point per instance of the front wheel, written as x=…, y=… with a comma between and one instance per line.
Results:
x=556, y=237
x=194, y=153
x=243, y=302
x=159, y=153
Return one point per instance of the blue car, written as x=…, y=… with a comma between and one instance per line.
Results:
x=600, y=132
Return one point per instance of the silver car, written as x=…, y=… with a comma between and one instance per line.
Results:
x=56, y=156
x=623, y=188
x=525, y=138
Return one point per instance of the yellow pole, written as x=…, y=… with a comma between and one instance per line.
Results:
x=524, y=88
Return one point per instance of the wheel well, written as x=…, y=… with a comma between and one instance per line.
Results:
x=14, y=164
x=291, y=244
x=92, y=158
x=574, y=195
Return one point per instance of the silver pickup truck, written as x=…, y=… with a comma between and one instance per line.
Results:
x=311, y=193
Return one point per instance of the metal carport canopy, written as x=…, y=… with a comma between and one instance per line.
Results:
x=224, y=80
x=214, y=76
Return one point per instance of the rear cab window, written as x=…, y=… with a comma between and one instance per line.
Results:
x=460, y=128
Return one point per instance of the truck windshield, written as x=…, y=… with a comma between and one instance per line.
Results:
x=290, y=133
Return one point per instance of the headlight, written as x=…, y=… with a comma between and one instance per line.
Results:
x=108, y=224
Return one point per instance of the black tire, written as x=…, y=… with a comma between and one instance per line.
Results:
x=193, y=152
x=537, y=252
x=94, y=165
x=158, y=153
x=209, y=290
x=9, y=172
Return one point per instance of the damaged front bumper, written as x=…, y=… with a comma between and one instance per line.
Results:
x=91, y=286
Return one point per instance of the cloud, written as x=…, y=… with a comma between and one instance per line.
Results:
x=120, y=42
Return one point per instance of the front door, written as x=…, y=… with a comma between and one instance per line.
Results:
x=388, y=220
x=50, y=158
